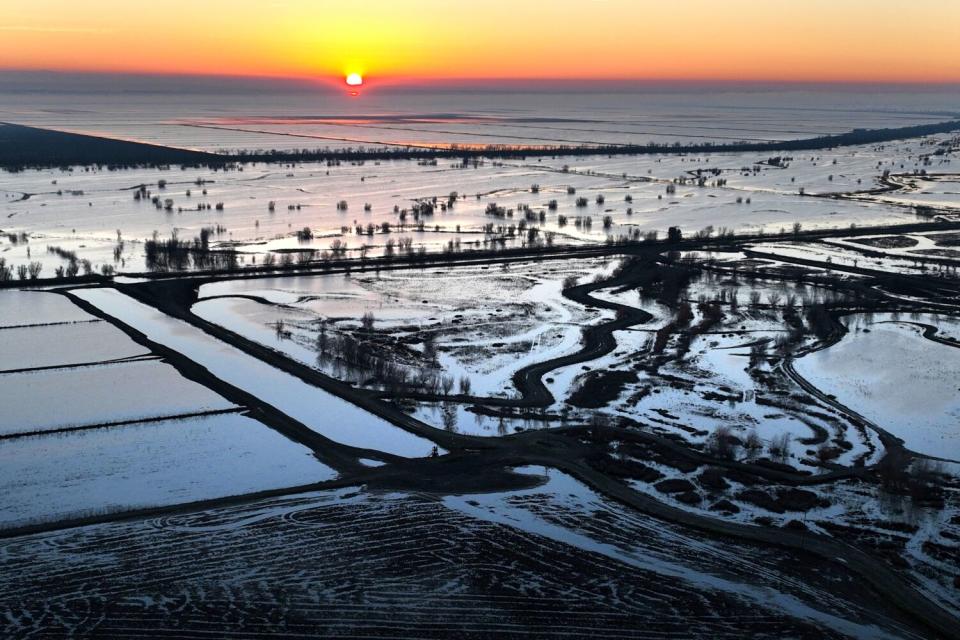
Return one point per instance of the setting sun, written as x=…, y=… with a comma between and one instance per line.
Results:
x=354, y=79
x=430, y=40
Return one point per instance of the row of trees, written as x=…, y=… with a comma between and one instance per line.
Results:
x=174, y=254
x=29, y=271
x=723, y=444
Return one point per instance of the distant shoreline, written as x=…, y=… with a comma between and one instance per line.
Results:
x=23, y=147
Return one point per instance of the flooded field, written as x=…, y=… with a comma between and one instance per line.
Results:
x=538, y=396
x=104, y=221
x=886, y=370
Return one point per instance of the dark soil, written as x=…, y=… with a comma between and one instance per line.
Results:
x=782, y=500
x=945, y=239
x=674, y=485
x=600, y=388
x=887, y=242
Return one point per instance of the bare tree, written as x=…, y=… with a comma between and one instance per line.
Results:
x=366, y=322
x=752, y=443
x=446, y=384
x=722, y=444
x=779, y=447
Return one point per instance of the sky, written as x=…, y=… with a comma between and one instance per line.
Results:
x=397, y=41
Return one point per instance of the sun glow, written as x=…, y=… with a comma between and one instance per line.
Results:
x=414, y=40
x=354, y=79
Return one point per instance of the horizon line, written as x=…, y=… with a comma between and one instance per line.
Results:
x=321, y=79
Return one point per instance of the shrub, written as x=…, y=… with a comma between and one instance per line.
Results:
x=722, y=444
x=779, y=447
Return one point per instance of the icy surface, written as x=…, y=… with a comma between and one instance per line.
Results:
x=64, y=345
x=46, y=400
x=319, y=410
x=20, y=307
x=52, y=477
x=487, y=322
x=903, y=382
x=565, y=493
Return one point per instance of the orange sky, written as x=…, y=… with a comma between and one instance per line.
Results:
x=778, y=40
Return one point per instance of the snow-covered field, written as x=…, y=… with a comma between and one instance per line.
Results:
x=695, y=413
x=841, y=256
x=651, y=546
x=487, y=322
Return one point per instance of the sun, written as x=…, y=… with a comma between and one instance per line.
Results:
x=354, y=79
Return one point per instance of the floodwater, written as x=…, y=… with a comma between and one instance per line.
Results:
x=886, y=370
x=334, y=418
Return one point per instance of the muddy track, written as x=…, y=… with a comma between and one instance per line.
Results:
x=468, y=473
x=767, y=473
x=890, y=441
x=598, y=340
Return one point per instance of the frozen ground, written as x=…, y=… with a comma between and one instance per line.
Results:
x=695, y=412
x=845, y=257
x=486, y=322
x=357, y=564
